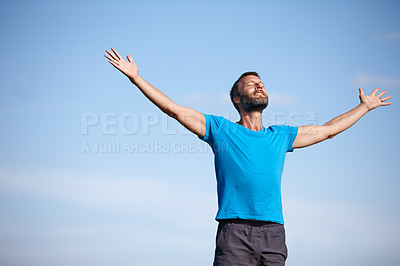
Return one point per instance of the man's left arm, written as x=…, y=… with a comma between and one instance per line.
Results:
x=309, y=135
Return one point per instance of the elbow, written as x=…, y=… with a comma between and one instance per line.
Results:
x=330, y=132
x=171, y=112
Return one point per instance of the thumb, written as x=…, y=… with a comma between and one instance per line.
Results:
x=129, y=58
x=361, y=91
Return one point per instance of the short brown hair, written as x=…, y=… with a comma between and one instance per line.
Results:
x=235, y=88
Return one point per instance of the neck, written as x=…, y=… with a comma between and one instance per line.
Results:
x=251, y=120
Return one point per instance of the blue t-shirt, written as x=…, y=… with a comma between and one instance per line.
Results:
x=248, y=167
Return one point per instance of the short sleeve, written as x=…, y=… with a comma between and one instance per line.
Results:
x=206, y=136
x=292, y=133
x=287, y=135
x=213, y=124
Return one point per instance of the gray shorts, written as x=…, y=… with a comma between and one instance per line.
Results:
x=244, y=242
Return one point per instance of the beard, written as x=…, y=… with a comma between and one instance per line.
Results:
x=252, y=104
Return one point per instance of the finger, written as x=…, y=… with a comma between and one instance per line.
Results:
x=129, y=58
x=118, y=55
x=374, y=92
x=361, y=91
x=112, y=55
x=388, y=103
x=386, y=98
x=116, y=65
x=110, y=58
x=381, y=94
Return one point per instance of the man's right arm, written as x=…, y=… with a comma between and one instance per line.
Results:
x=191, y=119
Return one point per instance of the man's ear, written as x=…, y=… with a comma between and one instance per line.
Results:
x=236, y=99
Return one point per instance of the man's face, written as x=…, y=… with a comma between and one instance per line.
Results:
x=252, y=94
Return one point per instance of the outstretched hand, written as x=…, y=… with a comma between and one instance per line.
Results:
x=372, y=101
x=129, y=68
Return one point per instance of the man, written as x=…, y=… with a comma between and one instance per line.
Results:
x=249, y=161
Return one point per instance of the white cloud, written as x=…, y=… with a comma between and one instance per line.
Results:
x=113, y=244
x=360, y=233
x=142, y=196
x=196, y=97
x=282, y=99
x=363, y=80
x=95, y=191
x=180, y=221
x=388, y=36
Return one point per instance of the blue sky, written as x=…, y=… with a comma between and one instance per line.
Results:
x=92, y=173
